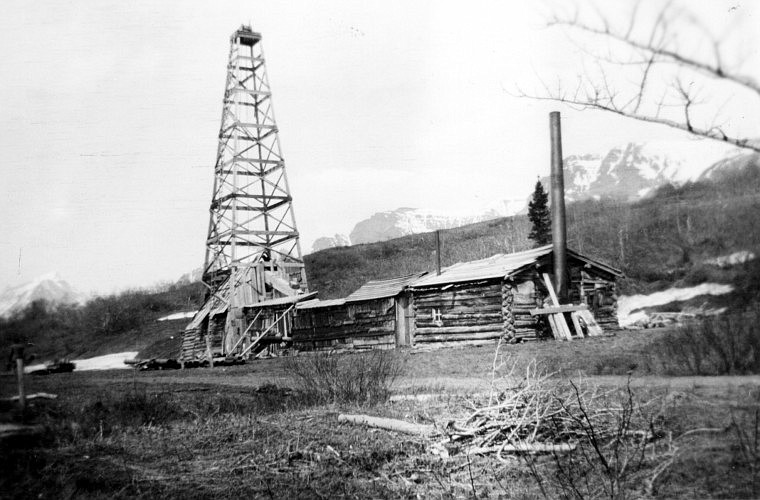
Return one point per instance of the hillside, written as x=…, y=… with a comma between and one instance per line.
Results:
x=661, y=240
x=672, y=238
x=123, y=322
x=627, y=172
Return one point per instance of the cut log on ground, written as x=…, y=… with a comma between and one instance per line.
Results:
x=15, y=430
x=38, y=395
x=390, y=424
x=525, y=448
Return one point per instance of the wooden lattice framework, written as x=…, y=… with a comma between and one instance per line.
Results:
x=253, y=252
x=251, y=215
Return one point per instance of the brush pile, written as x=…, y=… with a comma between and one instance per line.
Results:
x=534, y=413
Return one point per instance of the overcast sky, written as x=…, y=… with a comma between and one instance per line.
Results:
x=109, y=113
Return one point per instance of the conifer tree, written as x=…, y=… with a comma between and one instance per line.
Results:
x=538, y=213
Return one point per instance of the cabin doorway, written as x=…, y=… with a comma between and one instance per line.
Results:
x=403, y=321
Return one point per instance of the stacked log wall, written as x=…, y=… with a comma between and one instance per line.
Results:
x=470, y=313
x=362, y=325
x=193, y=345
x=525, y=295
x=604, y=311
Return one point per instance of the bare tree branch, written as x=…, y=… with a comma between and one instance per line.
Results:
x=710, y=133
x=713, y=70
x=661, y=63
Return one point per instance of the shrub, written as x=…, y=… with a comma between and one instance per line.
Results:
x=346, y=378
x=611, y=433
x=721, y=345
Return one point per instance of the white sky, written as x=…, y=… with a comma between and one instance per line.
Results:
x=109, y=112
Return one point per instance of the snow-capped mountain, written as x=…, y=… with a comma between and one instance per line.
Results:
x=628, y=172
x=337, y=240
x=191, y=277
x=404, y=221
x=634, y=170
x=49, y=287
x=730, y=164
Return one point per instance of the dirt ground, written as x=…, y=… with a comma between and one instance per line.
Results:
x=245, y=430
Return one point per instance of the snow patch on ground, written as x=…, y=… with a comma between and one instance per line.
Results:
x=627, y=304
x=106, y=362
x=179, y=315
x=732, y=259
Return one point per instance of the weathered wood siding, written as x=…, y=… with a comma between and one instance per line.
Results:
x=194, y=340
x=522, y=294
x=599, y=292
x=471, y=312
x=193, y=344
x=482, y=312
x=360, y=325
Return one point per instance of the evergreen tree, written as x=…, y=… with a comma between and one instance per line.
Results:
x=538, y=213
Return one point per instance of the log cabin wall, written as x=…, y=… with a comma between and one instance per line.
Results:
x=589, y=286
x=469, y=313
x=598, y=291
x=356, y=325
x=521, y=294
x=193, y=344
x=479, y=313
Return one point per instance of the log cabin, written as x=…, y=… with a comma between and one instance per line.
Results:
x=376, y=316
x=480, y=301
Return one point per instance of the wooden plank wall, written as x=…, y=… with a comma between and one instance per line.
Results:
x=599, y=293
x=215, y=329
x=469, y=313
x=361, y=325
x=193, y=345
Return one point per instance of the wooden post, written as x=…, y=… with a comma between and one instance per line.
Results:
x=438, y=252
x=20, y=374
x=558, y=319
x=209, y=354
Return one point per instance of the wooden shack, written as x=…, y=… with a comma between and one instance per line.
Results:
x=377, y=315
x=257, y=323
x=480, y=301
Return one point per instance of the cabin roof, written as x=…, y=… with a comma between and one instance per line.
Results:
x=317, y=304
x=219, y=302
x=283, y=301
x=382, y=289
x=501, y=266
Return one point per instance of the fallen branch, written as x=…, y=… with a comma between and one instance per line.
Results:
x=390, y=424
x=16, y=430
x=38, y=395
x=525, y=448
x=414, y=397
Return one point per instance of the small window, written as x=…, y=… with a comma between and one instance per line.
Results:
x=437, y=317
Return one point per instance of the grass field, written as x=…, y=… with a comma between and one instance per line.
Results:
x=251, y=430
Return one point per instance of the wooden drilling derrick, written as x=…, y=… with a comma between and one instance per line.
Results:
x=253, y=253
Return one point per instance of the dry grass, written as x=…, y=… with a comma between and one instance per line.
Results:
x=346, y=378
x=227, y=432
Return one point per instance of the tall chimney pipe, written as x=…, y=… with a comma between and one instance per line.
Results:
x=438, y=252
x=559, y=231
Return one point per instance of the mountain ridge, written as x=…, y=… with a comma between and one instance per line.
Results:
x=628, y=172
x=50, y=287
